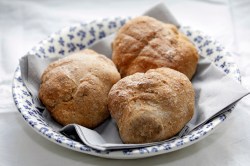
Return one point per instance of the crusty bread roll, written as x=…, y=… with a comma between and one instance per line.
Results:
x=145, y=43
x=151, y=106
x=75, y=89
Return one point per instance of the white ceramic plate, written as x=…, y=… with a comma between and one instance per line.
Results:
x=80, y=36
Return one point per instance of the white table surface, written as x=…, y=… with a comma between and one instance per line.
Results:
x=24, y=23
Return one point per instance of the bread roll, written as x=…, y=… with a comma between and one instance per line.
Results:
x=75, y=89
x=145, y=43
x=151, y=106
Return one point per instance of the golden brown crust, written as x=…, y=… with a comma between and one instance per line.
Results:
x=151, y=106
x=145, y=43
x=75, y=89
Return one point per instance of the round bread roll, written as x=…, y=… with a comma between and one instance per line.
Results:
x=145, y=43
x=75, y=89
x=151, y=106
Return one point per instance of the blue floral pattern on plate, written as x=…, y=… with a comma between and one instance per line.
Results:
x=81, y=36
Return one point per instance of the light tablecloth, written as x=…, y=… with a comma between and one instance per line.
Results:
x=23, y=23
